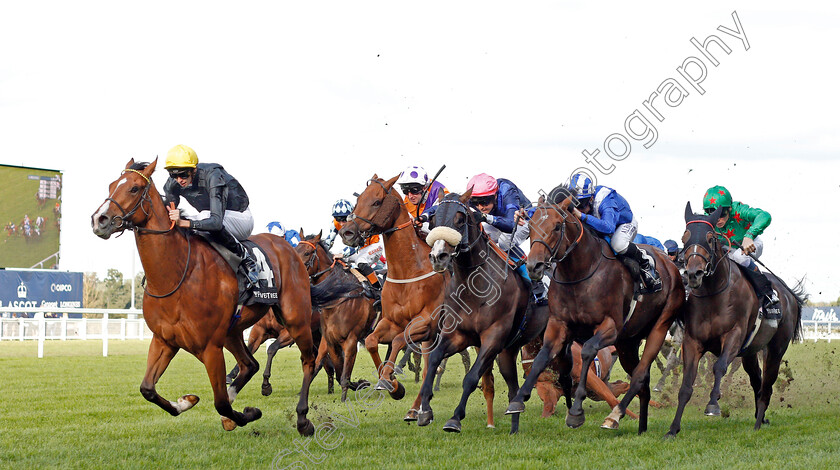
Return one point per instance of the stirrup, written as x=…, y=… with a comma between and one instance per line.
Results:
x=770, y=305
x=651, y=283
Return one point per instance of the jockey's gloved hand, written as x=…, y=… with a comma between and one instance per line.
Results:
x=487, y=218
x=423, y=218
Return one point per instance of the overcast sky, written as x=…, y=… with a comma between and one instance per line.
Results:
x=303, y=101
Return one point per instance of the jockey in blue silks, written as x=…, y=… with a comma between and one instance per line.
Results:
x=604, y=210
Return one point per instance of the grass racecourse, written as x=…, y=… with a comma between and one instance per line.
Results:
x=76, y=409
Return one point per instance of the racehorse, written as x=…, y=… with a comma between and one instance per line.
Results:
x=488, y=305
x=591, y=297
x=191, y=298
x=722, y=317
x=412, y=291
x=345, y=323
x=268, y=327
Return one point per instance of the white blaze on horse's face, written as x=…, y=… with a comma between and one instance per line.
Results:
x=437, y=248
x=104, y=207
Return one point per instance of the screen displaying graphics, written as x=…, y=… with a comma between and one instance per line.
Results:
x=30, y=212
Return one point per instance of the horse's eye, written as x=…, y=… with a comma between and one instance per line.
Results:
x=377, y=203
x=558, y=226
x=134, y=189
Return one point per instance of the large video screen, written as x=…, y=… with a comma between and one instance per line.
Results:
x=30, y=212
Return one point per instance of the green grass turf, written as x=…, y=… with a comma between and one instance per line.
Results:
x=76, y=409
x=17, y=197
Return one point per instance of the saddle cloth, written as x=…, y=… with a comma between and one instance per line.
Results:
x=267, y=288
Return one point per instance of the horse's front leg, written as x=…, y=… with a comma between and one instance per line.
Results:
x=605, y=335
x=731, y=344
x=491, y=344
x=555, y=339
x=160, y=355
x=214, y=363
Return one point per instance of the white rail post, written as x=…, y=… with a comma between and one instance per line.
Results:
x=122, y=328
x=64, y=326
x=21, y=328
x=105, y=334
x=42, y=331
x=816, y=333
x=83, y=329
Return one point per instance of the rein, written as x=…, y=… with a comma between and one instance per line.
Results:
x=552, y=259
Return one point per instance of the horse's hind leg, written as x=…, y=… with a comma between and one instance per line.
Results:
x=750, y=363
x=488, y=389
x=347, y=368
x=160, y=354
x=448, y=345
x=214, y=363
x=439, y=373
x=507, y=366
x=281, y=342
x=248, y=366
x=772, y=361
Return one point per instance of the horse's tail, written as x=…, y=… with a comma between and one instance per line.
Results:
x=798, y=291
x=333, y=289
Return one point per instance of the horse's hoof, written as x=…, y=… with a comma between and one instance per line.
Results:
x=398, y=370
x=453, y=425
x=712, y=410
x=575, y=421
x=657, y=389
x=251, y=413
x=357, y=385
x=515, y=408
x=425, y=418
x=330, y=391
x=669, y=435
x=228, y=380
x=491, y=426
x=610, y=423
x=186, y=402
x=307, y=429
x=266, y=390
x=228, y=424
x=383, y=385
x=399, y=393
x=411, y=416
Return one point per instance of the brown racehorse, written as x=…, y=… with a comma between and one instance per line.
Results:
x=346, y=322
x=592, y=302
x=412, y=291
x=548, y=384
x=192, y=294
x=267, y=328
x=488, y=305
x=721, y=314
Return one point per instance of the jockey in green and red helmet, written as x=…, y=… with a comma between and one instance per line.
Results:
x=742, y=225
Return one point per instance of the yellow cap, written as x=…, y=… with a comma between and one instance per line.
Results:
x=181, y=156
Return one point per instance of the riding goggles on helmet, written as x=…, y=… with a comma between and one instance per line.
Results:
x=411, y=188
x=483, y=200
x=176, y=173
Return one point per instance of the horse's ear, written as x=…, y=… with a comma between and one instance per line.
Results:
x=374, y=177
x=130, y=162
x=390, y=183
x=541, y=200
x=713, y=218
x=150, y=169
x=566, y=202
x=302, y=236
x=689, y=214
x=318, y=237
x=465, y=198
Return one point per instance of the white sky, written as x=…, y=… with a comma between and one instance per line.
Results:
x=302, y=102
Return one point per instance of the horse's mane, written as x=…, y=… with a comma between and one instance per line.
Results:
x=322, y=242
x=139, y=165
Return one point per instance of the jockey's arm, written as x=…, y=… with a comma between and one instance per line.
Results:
x=606, y=224
x=218, y=202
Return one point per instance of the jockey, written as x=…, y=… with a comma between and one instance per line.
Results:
x=646, y=240
x=672, y=249
x=500, y=201
x=368, y=258
x=609, y=214
x=742, y=225
x=291, y=235
x=413, y=180
x=220, y=200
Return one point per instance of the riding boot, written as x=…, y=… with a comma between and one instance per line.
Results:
x=764, y=291
x=248, y=265
x=375, y=286
x=649, y=278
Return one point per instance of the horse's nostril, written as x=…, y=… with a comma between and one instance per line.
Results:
x=102, y=221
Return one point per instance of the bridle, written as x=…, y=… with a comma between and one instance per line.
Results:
x=124, y=223
x=140, y=227
x=315, y=259
x=464, y=245
x=383, y=214
x=711, y=265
